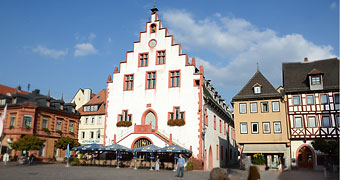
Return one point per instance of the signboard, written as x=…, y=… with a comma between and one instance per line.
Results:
x=90, y=141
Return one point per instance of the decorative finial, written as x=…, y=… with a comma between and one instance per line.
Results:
x=258, y=68
x=154, y=9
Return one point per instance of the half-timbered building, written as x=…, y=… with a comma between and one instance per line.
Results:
x=312, y=96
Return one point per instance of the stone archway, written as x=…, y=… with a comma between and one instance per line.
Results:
x=210, y=165
x=141, y=141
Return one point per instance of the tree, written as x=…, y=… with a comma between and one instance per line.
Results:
x=64, y=141
x=28, y=143
x=328, y=146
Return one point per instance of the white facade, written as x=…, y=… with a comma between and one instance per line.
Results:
x=155, y=91
x=82, y=97
x=91, y=129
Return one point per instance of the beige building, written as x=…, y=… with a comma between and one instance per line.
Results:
x=92, y=121
x=260, y=122
x=81, y=97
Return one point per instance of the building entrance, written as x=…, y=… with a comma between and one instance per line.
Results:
x=305, y=157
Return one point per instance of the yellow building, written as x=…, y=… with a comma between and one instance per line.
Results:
x=260, y=122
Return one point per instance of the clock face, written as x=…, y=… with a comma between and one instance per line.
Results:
x=152, y=43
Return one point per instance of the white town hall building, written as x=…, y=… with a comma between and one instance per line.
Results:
x=158, y=97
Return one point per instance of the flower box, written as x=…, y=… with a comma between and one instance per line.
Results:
x=176, y=122
x=124, y=124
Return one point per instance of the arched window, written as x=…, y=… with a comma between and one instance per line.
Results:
x=153, y=28
x=150, y=118
x=141, y=142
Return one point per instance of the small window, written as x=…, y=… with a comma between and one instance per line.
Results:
x=160, y=59
x=311, y=122
x=99, y=120
x=153, y=28
x=277, y=127
x=27, y=122
x=316, y=80
x=325, y=122
x=276, y=106
x=83, y=135
x=86, y=120
x=296, y=100
x=266, y=127
x=128, y=82
x=12, y=121
x=174, y=78
x=244, y=128
x=255, y=128
x=337, y=120
x=71, y=127
x=298, y=122
x=253, y=107
x=143, y=60
x=257, y=89
x=91, y=135
x=324, y=99
x=243, y=108
x=59, y=125
x=150, y=80
x=2, y=101
x=310, y=99
x=264, y=107
x=92, y=120
x=336, y=97
x=44, y=122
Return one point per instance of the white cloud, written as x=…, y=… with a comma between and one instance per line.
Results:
x=333, y=5
x=84, y=49
x=242, y=44
x=91, y=36
x=52, y=53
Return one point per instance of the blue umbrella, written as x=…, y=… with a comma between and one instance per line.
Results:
x=117, y=147
x=175, y=149
x=148, y=148
x=135, y=155
x=119, y=155
x=89, y=147
x=68, y=152
x=152, y=156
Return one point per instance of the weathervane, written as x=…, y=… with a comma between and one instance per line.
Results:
x=154, y=9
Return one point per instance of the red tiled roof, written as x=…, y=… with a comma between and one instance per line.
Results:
x=5, y=89
x=100, y=98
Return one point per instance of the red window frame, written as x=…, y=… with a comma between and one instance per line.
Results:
x=175, y=76
x=160, y=57
x=214, y=122
x=174, y=113
x=220, y=126
x=217, y=154
x=143, y=60
x=124, y=116
x=225, y=128
x=128, y=82
x=206, y=118
x=150, y=80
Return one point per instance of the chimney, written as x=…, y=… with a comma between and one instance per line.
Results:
x=305, y=60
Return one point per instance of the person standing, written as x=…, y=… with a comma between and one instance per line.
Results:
x=6, y=158
x=157, y=164
x=180, y=166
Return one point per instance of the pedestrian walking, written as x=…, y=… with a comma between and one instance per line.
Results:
x=157, y=163
x=180, y=166
x=6, y=158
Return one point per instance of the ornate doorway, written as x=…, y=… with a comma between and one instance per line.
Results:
x=305, y=157
x=141, y=142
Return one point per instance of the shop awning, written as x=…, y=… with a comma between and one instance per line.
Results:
x=264, y=148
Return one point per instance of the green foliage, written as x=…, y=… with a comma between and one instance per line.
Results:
x=327, y=146
x=258, y=159
x=46, y=130
x=70, y=132
x=60, y=132
x=64, y=141
x=190, y=166
x=28, y=142
x=27, y=127
x=176, y=122
x=11, y=127
x=124, y=124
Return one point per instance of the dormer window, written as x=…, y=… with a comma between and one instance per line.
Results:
x=257, y=90
x=316, y=80
x=2, y=101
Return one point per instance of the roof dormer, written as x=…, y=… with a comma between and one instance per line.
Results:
x=257, y=88
x=315, y=78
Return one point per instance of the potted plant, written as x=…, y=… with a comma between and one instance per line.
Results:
x=124, y=124
x=259, y=160
x=176, y=122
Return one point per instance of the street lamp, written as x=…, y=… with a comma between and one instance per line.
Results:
x=9, y=141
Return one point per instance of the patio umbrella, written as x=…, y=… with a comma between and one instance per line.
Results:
x=118, y=156
x=175, y=149
x=152, y=156
x=117, y=147
x=89, y=147
x=67, y=155
x=149, y=148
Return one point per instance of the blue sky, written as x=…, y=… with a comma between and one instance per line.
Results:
x=62, y=46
